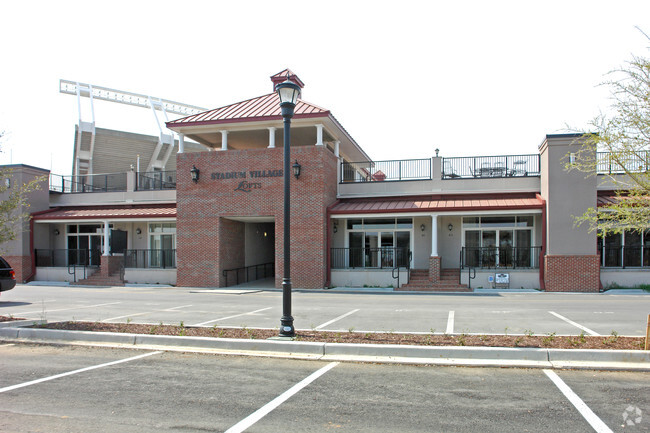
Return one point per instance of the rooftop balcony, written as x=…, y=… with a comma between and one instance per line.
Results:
x=113, y=188
x=507, y=173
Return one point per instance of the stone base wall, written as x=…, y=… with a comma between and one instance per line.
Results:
x=22, y=266
x=435, y=265
x=572, y=273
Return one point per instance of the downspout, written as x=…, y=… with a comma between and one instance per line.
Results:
x=32, y=253
x=328, y=212
x=542, y=253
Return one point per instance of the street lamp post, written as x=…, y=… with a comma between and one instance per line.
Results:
x=289, y=92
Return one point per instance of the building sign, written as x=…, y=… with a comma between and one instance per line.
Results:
x=245, y=185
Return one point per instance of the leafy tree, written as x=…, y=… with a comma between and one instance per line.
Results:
x=13, y=204
x=618, y=146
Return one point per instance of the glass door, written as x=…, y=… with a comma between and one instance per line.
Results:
x=524, y=256
x=372, y=250
x=505, y=248
x=489, y=250
x=387, y=250
x=472, y=248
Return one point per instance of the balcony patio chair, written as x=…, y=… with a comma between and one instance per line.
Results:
x=448, y=171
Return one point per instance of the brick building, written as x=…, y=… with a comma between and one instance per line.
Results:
x=436, y=223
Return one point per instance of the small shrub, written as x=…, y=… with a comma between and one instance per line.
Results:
x=549, y=338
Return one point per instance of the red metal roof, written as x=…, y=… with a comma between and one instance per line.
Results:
x=283, y=75
x=109, y=212
x=437, y=204
x=266, y=107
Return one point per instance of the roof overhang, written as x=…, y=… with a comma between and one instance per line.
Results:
x=433, y=204
x=106, y=213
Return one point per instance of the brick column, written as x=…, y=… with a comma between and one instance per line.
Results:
x=435, y=264
x=110, y=265
x=572, y=273
x=22, y=266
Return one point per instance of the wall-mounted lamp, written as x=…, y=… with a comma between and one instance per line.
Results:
x=296, y=169
x=195, y=174
x=422, y=227
x=56, y=232
x=335, y=229
x=138, y=231
x=450, y=227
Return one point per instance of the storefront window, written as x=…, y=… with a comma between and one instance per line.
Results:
x=162, y=243
x=630, y=248
x=85, y=243
x=499, y=242
x=378, y=242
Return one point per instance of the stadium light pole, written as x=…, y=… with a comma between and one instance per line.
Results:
x=289, y=92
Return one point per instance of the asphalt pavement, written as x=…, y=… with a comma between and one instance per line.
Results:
x=81, y=389
x=482, y=313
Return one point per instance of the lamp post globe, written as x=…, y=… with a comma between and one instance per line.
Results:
x=288, y=93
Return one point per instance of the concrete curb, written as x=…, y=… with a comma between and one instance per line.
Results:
x=383, y=353
x=19, y=323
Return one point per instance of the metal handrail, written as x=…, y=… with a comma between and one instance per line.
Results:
x=150, y=258
x=632, y=162
x=65, y=257
x=268, y=270
x=74, y=271
x=466, y=167
x=500, y=257
x=381, y=258
x=155, y=180
x=109, y=182
x=386, y=171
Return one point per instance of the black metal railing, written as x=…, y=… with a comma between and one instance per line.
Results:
x=625, y=257
x=66, y=257
x=504, y=257
x=154, y=180
x=112, y=182
x=351, y=258
x=490, y=166
x=386, y=171
x=246, y=274
x=633, y=162
x=150, y=259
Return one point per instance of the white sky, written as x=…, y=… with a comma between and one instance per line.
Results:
x=468, y=77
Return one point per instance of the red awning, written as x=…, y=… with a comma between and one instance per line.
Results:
x=437, y=204
x=108, y=212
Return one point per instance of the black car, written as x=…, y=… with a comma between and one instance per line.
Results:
x=7, y=276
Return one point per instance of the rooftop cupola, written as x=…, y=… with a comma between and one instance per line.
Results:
x=283, y=76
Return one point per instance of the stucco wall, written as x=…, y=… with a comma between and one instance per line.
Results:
x=519, y=278
x=366, y=278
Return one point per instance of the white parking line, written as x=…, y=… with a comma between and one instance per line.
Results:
x=65, y=309
x=577, y=325
x=450, y=323
x=270, y=406
x=230, y=317
x=128, y=315
x=176, y=308
x=337, y=319
x=584, y=410
x=81, y=370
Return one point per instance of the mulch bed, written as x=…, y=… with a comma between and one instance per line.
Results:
x=9, y=318
x=535, y=341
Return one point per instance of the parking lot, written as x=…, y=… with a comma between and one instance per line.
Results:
x=493, y=313
x=82, y=389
